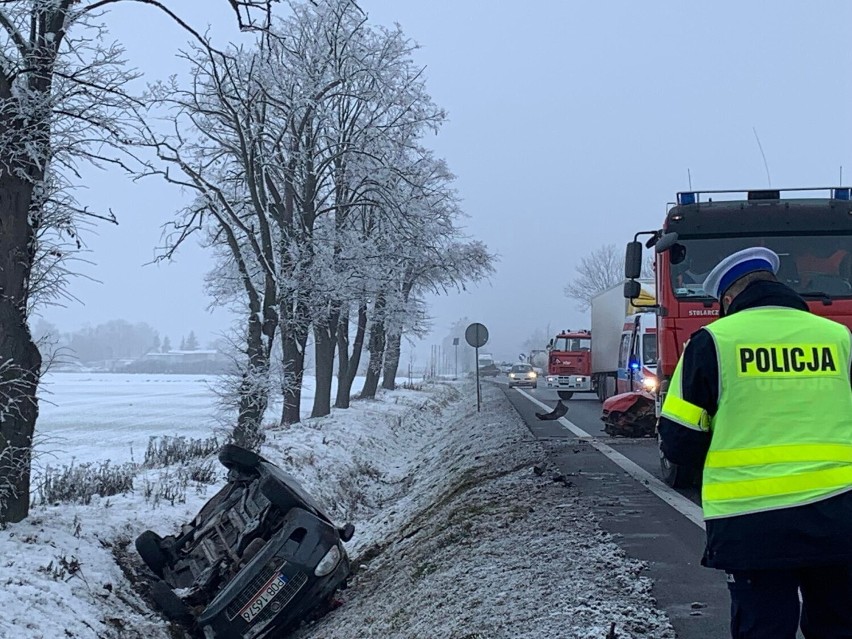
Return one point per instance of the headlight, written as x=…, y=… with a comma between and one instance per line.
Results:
x=650, y=383
x=512, y=375
x=328, y=562
x=533, y=374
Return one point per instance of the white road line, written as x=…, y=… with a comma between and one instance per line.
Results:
x=673, y=498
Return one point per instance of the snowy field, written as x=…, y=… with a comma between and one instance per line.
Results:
x=92, y=417
x=456, y=537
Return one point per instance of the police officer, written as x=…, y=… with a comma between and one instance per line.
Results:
x=762, y=401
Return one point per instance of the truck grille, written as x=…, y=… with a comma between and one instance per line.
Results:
x=284, y=596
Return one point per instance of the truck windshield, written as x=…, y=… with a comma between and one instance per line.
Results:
x=572, y=344
x=649, y=349
x=810, y=264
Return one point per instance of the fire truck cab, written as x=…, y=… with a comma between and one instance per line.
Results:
x=811, y=235
x=569, y=363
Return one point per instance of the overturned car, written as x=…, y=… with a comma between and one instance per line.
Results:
x=260, y=557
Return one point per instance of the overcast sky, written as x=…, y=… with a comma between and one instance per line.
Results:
x=571, y=125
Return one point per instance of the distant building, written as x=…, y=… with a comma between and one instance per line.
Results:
x=207, y=362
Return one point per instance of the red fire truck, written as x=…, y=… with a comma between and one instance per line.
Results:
x=569, y=363
x=811, y=234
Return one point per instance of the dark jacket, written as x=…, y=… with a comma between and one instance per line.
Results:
x=810, y=535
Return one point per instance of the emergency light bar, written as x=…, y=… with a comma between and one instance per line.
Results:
x=685, y=198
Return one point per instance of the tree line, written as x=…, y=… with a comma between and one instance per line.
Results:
x=324, y=211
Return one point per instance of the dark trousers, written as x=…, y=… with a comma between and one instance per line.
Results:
x=765, y=603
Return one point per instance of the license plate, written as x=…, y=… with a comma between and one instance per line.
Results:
x=266, y=594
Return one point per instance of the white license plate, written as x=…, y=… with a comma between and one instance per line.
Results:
x=266, y=594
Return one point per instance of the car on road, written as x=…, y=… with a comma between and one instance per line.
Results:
x=489, y=370
x=523, y=375
x=260, y=556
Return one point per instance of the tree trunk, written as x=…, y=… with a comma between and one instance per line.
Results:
x=324, y=368
x=377, y=351
x=294, y=339
x=253, y=389
x=20, y=360
x=346, y=375
x=391, y=361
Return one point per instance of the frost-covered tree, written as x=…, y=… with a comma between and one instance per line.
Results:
x=598, y=271
x=63, y=101
x=315, y=195
x=191, y=343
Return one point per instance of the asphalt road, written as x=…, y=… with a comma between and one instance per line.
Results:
x=696, y=598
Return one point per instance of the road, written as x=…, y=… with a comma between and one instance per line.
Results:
x=645, y=526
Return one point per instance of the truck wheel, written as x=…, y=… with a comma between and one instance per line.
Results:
x=566, y=395
x=607, y=384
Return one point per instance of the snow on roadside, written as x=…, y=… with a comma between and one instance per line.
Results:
x=455, y=537
x=478, y=546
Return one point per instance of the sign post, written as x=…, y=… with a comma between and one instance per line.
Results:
x=456, y=344
x=477, y=335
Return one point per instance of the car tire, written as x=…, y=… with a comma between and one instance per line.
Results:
x=234, y=457
x=279, y=495
x=172, y=606
x=566, y=395
x=346, y=532
x=149, y=547
x=535, y=385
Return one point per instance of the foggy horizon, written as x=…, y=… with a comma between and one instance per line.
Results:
x=570, y=127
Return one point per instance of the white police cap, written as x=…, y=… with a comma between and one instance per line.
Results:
x=736, y=266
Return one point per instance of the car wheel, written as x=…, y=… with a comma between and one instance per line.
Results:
x=535, y=385
x=149, y=548
x=346, y=532
x=233, y=457
x=279, y=496
x=172, y=606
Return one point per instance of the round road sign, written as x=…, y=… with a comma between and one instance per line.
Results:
x=476, y=335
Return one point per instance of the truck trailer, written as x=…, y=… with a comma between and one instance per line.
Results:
x=611, y=345
x=811, y=235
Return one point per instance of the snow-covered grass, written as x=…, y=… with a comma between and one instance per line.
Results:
x=455, y=535
x=92, y=417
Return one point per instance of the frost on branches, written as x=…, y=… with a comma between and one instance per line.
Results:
x=63, y=103
x=326, y=216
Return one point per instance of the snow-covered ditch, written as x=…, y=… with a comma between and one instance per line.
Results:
x=456, y=536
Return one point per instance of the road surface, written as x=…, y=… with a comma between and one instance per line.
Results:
x=644, y=525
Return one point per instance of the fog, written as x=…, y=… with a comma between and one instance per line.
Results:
x=571, y=125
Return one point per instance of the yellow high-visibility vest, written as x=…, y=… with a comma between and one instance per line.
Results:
x=782, y=433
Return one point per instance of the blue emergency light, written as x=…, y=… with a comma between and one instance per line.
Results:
x=686, y=198
x=841, y=194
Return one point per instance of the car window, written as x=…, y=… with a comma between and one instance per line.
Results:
x=521, y=368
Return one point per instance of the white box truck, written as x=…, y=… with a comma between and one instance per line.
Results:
x=609, y=310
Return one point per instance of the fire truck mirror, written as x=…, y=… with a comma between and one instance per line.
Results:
x=632, y=289
x=633, y=260
x=666, y=242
